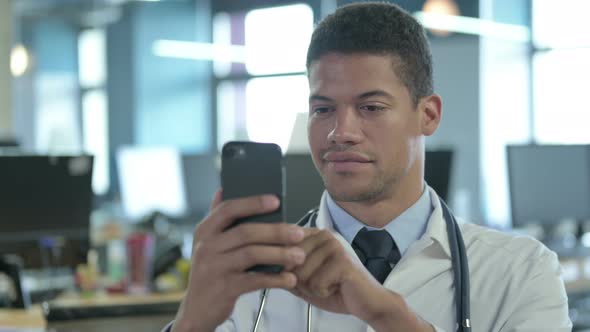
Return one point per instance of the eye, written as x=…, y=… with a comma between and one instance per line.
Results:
x=372, y=108
x=320, y=110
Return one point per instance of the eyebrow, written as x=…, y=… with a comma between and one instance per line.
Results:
x=364, y=95
x=319, y=98
x=374, y=93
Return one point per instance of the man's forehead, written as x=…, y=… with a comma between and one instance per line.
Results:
x=394, y=58
x=353, y=69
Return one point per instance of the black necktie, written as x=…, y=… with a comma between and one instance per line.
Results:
x=377, y=251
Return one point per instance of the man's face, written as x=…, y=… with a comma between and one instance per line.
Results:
x=364, y=132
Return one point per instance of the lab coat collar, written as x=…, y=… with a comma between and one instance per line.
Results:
x=437, y=227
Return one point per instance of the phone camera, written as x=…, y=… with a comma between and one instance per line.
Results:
x=235, y=152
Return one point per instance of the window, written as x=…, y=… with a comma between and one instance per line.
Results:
x=560, y=69
x=92, y=79
x=259, y=98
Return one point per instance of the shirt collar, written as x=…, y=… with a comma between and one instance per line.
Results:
x=405, y=229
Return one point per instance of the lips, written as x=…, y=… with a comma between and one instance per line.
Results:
x=346, y=156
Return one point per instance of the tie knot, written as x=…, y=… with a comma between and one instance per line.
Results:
x=374, y=244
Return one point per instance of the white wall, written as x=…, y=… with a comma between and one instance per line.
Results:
x=5, y=76
x=456, y=79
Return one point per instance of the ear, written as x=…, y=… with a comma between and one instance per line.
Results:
x=430, y=109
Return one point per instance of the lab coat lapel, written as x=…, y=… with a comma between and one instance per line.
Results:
x=426, y=258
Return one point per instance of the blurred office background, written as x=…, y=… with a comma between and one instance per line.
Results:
x=147, y=92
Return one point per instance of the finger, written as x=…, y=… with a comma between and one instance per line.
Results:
x=309, y=231
x=318, y=250
x=246, y=257
x=217, y=199
x=325, y=279
x=228, y=211
x=248, y=282
x=314, y=239
x=258, y=233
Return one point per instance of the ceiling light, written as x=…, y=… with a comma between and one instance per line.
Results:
x=19, y=60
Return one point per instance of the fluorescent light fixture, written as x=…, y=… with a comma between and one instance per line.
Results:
x=474, y=26
x=19, y=60
x=452, y=23
x=92, y=58
x=198, y=51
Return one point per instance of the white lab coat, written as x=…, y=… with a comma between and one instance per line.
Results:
x=515, y=285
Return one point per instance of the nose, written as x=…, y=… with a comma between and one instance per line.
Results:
x=346, y=127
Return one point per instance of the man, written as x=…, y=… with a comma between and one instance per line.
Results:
x=370, y=107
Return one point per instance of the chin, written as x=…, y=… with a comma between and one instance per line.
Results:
x=351, y=193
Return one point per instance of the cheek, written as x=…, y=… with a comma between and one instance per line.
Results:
x=316, y=134
x=394, y=143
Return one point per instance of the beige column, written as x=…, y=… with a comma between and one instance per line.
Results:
x=5, y=75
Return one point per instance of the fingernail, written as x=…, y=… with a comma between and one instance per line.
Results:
x=298, y=255
x=296, y=233
x=270, y=201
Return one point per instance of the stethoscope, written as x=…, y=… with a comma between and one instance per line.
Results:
x=458, y=258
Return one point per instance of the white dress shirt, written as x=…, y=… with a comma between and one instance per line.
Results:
x=515, y=285
x=408, y=227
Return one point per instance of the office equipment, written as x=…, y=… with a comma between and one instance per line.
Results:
x=549, y=183
x=201, y=181
x=150, y=180
x=11, y=266
x=45, y=204
x=163, y=180
x=437, y=171
x=8, y=143
x=304, y=186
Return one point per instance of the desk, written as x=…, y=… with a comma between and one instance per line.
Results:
x=25, y=319
x=33, y=318
x=152, y=323
x=74, y=300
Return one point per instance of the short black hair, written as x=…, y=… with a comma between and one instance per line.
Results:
x=382, y=29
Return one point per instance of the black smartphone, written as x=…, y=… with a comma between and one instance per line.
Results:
x=250, y=169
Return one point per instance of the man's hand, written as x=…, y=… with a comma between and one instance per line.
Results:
x=333, y=280
x=220, y=258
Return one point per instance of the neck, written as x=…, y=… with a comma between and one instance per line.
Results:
x=382, y=210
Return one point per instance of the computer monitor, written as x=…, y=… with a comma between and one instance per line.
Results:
x=549, y=183
x=437, y=171
x=304, y=186
x=8, y=143
x=201, y=181
x=43, y=198
x=162, y=179
x=150, y=180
